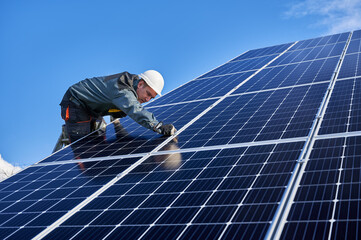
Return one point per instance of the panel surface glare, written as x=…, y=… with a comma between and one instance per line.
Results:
x=205, y=192
x=120, y=140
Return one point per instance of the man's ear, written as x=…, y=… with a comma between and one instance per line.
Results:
x=141, y=83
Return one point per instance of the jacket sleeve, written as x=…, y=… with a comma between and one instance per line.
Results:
x=128, y=103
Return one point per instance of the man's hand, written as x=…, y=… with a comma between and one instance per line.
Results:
x=166, y=129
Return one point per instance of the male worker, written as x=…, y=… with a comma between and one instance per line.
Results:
x=118, y=95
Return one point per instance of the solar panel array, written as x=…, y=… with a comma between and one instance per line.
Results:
x=268, y=146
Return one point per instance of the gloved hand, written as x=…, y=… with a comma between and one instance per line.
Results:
x=166, y=129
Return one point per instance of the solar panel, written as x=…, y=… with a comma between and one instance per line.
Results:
x=267, y=147
x=39, y=195
x=327, y=200
x=208, y=188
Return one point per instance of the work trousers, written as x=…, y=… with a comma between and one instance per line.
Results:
x=78, y=121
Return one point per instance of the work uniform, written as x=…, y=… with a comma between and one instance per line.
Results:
x=116, y=95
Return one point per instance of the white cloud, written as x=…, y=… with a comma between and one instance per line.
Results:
x=336, y=15
x=6, y=169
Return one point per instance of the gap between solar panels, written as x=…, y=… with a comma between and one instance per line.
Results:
x=280, y=217
x=121, y=175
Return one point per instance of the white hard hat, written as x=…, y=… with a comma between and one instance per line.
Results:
x=154, y=79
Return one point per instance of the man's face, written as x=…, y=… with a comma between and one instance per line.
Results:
x=145, y=93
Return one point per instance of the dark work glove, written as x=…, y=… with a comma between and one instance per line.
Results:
x=166, y=129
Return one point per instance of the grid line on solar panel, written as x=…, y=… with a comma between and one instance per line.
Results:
x=332, y=177
x=351, y=66
x=203, y=171
x=186, y=150
x=247, y=92
x=338, y=135
x=98, y=192
x=40, y=200
x=155, y=191
x=321, y=41
x=292, y=74
x=318, y=46
x=212, y=87
x=158, y=101
x=263, y=52
x=287, y=75
x=355, y=46
x=310, y=54
x=343, y=111
x=116, y=140
x=240, y=66
x=329, y=122
x=218, y=126
x=280, y=148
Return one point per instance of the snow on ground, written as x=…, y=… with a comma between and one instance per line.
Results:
x=7, y=169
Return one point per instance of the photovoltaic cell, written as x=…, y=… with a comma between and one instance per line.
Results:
x=356, y=35
x=208, y=190
x=327, y=203
x=343, y=113
x=292, y=74
x=263, y=51
x=240, y=66
x=202, y=89
x=354, y=46
x=310, y=43
x=268, y=115
x=351, y=66
x=310, y=54
x=38, y=196
x=118, y=140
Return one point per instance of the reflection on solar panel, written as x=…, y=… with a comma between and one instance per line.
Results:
x=268, y=146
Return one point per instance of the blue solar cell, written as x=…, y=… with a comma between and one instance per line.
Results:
x=201, y=89
x=182, y=204
x=117, y=140
x=92, y=233
x=261, y=116
x=356, y=35
x=289, y=75
x=62, y=233
x=240, y=66
x=343, y=113
x=351, y=66
x=42, y=202
x=330, y=185
x=263, y=51
x=354, y=46
x=310, y=54
x=25, y=233
x=310, y=43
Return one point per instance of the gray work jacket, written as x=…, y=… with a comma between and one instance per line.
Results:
x=100, y=94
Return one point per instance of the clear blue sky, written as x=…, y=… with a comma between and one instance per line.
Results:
x=46, y=46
